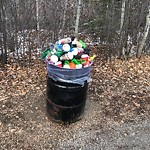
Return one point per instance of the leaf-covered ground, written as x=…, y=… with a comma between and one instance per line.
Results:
x=123, y=87
x=116, y=116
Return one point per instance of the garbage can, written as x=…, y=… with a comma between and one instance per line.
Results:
x=65, y=101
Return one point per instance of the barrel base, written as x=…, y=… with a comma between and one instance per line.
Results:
x=64, y=114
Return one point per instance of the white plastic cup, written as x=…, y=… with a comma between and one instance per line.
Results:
x=54, y=58
x=75, y=51
x=66, y=47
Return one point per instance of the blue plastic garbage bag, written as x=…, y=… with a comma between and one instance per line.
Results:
x=76, y=76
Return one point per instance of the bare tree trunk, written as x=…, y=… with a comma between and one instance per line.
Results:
x=122, y=13
x=38, y=21
x=123, y=10
x=146, y=31
x=77, y=18
x=37, y=16
x=16, y=28
x=138, y=21
x=110, y=16
x=4, y=32
x=64, y=17
x=125, y=13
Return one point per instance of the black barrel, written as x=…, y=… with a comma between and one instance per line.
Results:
x=65, y=101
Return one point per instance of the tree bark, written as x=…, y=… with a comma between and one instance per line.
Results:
x=122, y=14
x=146, y=31
x=77, y=18
x=64, y=17
x=37, y=16
x=4, y=32
x=125, y=13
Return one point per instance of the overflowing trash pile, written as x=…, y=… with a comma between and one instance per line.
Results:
x=68, y=53
x=68, y=60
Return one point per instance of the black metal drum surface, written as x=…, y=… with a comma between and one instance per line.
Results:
x=65, y=101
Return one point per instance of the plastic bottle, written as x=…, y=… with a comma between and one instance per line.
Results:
x=58, y=64
x=48, y=58
x=65, y=40
x=77, y=63
x=87, y=64
x=67, y=56
x=45, y=53
x=77, y=43
x=53, y=58
x=66, y=47
x=85, y=57
x=66, y=64
x=72, y=65
x=92, y=58
x=74, y=51
x=57, y=46
x=80, y=50
x=59, y=53
x=83, y=44
x=78, y=66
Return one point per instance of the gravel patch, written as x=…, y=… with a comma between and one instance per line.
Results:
x=25, y=125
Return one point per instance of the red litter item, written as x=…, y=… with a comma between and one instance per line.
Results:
x=85, y=57
x=58, y=64
x=86, y=64
x=80, y=50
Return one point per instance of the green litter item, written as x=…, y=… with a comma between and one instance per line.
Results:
x=75, y=61
x=58, y=53
x=81, y=61
x=66, y=62
x=45, y=53
x=83, y=44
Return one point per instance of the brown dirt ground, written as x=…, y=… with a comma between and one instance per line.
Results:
x=116, y=117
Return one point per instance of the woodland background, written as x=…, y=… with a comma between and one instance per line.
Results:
x=28, y=27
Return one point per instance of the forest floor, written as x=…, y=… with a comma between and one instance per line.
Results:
x=116, y=117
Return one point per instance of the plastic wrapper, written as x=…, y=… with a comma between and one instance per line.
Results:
x=75, y=76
